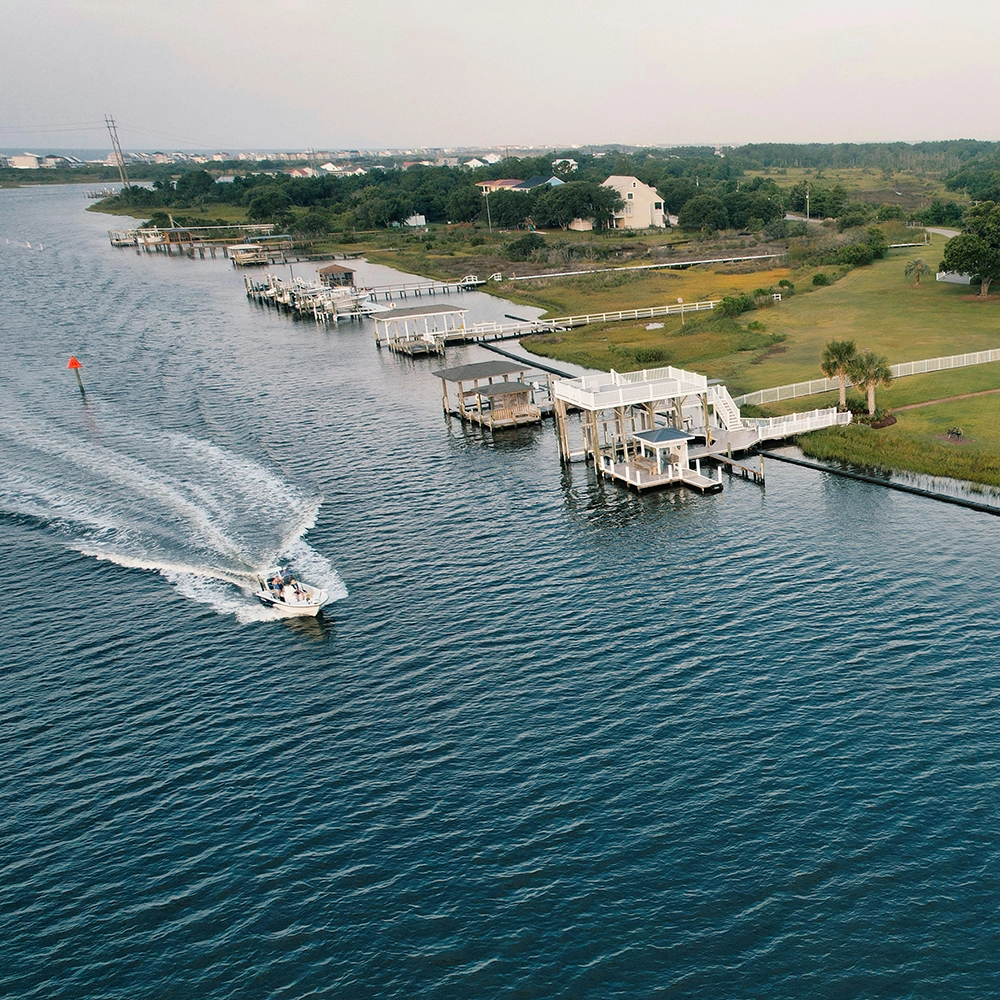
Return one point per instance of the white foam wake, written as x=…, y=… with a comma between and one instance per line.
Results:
x=208, y=520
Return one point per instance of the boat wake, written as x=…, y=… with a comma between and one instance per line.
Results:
x=206, y=519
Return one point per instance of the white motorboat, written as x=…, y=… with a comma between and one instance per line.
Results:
x=281, y=591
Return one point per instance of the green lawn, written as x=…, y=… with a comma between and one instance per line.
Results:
x=875, y=306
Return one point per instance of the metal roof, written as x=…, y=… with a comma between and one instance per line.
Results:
x=501, y=387
x=335, y=269
x=439, y=310
x=662, y=435
x=482, y=369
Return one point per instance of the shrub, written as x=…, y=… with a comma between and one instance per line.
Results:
x=821, y=278
x=755, y=326
x=776, y=229
x=856, y=254
x=786, y=285
x=649, y=355
x=523, y=248
x=734, y=305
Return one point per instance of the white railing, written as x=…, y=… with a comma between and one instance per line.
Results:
x=612, y=389
x=618, y=316
x=644, y=267
x=772, y=428
x=818, y=385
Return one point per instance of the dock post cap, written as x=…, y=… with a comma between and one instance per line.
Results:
x=73, y=363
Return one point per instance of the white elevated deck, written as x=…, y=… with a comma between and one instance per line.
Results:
x=631, y=424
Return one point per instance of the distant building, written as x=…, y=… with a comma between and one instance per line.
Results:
x=565, y=164
x=473, y=164
x=416, y=220
x=581, y=225
x=488, y=187
x=302, y=172
x=26, y=161
x=330, y=168
x=539, y=180
x=491, y=159
x=643, y=207
x=336, y=275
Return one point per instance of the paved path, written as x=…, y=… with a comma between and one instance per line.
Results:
x=946, y=399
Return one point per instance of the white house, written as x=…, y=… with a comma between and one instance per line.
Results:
x=565, y=164
x=643, y=207
x=27, y=161
x=473, y=164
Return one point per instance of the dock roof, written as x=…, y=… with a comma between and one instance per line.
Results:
x=438, y=310
x=501, y=387
x=336, y=269
x=661, y=435
x=482, y=369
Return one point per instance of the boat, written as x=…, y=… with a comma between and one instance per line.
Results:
x=280, y=590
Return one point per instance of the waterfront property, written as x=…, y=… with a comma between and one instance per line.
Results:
x=309, y=299
x=494, y=400
x=643, y=207
x=336, y=276
x=638, y=427
x=420, y=329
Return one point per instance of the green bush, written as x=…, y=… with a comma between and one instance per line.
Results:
x=856, y=254
x=735, y=305
x=523, y=248
x=821, y=278
x=649, y=355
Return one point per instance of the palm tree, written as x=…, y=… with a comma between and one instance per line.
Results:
x=916, y=269
x=836, y=360
x=868, y=370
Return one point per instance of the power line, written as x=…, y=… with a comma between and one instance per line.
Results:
x=69, y=127
x=119, y=155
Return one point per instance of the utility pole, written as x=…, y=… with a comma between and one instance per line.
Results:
x=489, y=221
x=117, y=146
x=807, y=203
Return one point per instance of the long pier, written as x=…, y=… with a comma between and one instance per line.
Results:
x=417, y=289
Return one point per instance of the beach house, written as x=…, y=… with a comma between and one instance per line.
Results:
x=643, y=207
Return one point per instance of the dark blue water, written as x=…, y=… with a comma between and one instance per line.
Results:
x=555, y=740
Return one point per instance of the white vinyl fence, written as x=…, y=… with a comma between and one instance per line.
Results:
x=818, y=385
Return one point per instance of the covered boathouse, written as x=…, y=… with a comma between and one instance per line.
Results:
x=336, y=276
x=493, y=399
x=420, y=329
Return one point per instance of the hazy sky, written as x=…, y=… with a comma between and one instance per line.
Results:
x=243, y=74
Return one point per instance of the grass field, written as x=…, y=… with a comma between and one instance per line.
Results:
x=917, y=189
x=875, y=306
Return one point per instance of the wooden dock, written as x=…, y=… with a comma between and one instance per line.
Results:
x=755, y=474
x=416, y=289
x=307, y=299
